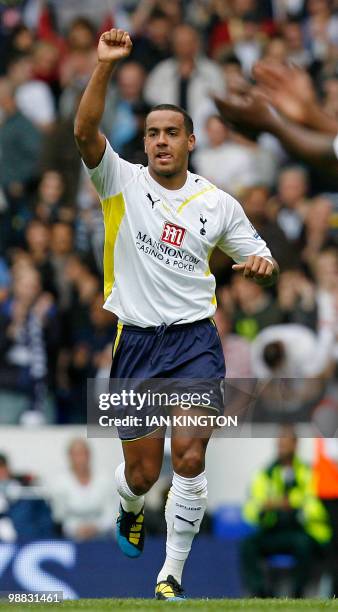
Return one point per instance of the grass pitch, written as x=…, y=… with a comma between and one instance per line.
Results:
x=145, y=605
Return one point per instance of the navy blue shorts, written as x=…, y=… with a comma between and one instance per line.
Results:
x=177, y=358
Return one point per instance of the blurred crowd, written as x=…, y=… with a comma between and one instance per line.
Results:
x=78, y=504
x=54, y=333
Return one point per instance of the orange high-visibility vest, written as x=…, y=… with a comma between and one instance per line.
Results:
x=325, y=473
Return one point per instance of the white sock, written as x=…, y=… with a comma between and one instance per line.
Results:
x=184, y=512
x=130, y=502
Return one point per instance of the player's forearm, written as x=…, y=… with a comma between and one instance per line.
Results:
x=91, y=107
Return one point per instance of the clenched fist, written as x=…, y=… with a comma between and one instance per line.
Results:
x=114, y=45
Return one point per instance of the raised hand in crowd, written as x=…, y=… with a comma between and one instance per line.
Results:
x=291, y=91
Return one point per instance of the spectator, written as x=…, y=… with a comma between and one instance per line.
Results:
x=29, y=340
x=77, y=363
x=80, y=53
x=59, y=153
x=321, y=28
x=187, y=79
x=316, y=228
x=288, y=517
x=259, y=210
x=230, y=162
x=82, y=498
x=23, y=514
x=298, y=299
x=254, y=308
x=62, y=244
x=233, y=75
x=119, y=121
x=20, y=143
x=50, y=192
x=20, y=40
x=248, y=46
x=34, y=98
x=46, y=56
x=292, y=351
x=133, y=150
x=325, y=271
x=152, y=43
x=275, y=50
x=293, y=36
x=241, y=26
x=291, y=202
x=38, y=243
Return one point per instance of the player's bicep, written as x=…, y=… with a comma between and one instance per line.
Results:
x=91, y=150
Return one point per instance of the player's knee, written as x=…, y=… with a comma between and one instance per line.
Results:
x=188, y=463
x=141, y=477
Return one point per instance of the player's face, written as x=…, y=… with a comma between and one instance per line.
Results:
x=167, y=143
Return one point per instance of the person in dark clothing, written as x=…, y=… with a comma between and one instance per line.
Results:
x=288, y=516
x=256, y=206
x=28, y=338
x=20, y=143
x=133, y=151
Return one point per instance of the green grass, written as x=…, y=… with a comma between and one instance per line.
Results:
x=143, y=605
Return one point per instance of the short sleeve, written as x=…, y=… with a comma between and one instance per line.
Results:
x=112, y=173
x=239, y=239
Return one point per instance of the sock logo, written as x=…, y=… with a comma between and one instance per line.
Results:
x=188, y=507
x=186, y=520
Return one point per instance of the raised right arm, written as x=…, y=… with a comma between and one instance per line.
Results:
x=113, y=46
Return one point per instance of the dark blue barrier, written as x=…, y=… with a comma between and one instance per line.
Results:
x=98, y=569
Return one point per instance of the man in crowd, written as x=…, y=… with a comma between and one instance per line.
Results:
x=287, y=516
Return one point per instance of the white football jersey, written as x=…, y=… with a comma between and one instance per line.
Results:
x=158, y=243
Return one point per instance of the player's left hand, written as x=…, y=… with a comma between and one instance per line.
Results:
x=258, y=268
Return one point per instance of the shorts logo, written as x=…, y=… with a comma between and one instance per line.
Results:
x=173, y=234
